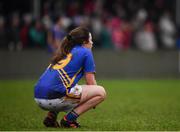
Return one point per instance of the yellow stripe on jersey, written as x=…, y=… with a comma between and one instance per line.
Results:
x=65, y=78
x=62, y=82
x=62, y=63
x=65, y=83
x=66, y=75
x=70, y=80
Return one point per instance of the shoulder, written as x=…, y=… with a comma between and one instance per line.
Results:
x=81, y=50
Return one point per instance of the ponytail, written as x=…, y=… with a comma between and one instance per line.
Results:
x=63, y=50
x=75, y=37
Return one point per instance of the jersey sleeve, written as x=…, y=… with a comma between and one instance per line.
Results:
x=89, y=65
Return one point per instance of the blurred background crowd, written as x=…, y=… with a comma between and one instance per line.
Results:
x=146, y=25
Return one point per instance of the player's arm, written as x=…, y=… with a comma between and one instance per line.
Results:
x=90, y=78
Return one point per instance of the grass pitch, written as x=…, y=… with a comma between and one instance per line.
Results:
x=130, y=105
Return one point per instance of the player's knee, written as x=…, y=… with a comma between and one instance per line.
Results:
x=102, y=93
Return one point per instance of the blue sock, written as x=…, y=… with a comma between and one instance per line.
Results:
x=72, y=116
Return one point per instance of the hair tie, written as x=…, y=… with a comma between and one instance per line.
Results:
x=69, y=37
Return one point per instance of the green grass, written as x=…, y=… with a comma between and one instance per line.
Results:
x=130, y=105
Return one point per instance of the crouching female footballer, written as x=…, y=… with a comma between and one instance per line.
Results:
x=57, y=89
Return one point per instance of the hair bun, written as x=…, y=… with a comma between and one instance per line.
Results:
x=69, y=37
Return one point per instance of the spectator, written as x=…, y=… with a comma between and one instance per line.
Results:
x=37, y=35
x=178, y=40
x=24, y=32
x=167, y=31
x=140, y=18
x=117, y=33
x=105, y=37
x=127, y=34
x=122, y=36
x=55, y=35
x=145, y=39
x=96, y=30
x=3, y=34
x=118, y=15
x=47, y=23
x=14, y=33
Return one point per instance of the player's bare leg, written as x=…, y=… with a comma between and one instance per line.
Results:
x=91, y=96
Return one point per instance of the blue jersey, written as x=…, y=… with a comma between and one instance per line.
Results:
x=57, y=79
